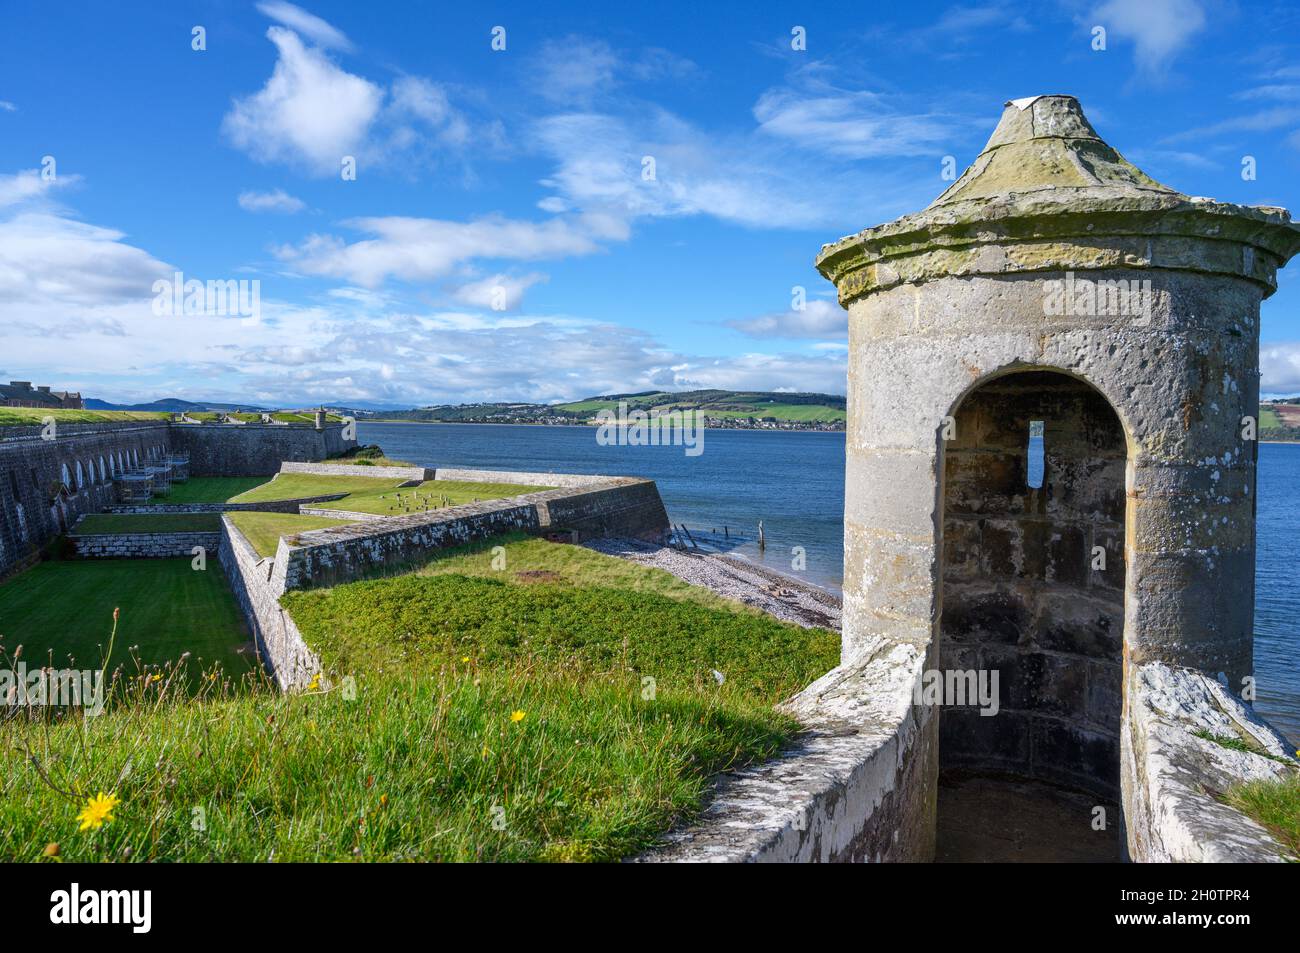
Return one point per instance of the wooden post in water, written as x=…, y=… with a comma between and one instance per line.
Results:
x=762, y=539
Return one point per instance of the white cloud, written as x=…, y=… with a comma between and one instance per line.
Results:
x=276, y=201
x=6, y=106
x=818, y=319
x=1279, y=366
x=1158, y=29
x=308, y=24
x=497, y=292
x=310, y=111
x=855, y=125
x=425, y=249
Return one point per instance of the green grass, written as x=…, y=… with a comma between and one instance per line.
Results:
x=13, y=416
x=376, y=495
x=61, y=613
x=1269, y=418
x=420, y=756
x=263, y=530
x=209, y=489
x=1276, y=806
x=98, y=524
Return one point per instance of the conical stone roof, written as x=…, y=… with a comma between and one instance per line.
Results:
x=1048, y=194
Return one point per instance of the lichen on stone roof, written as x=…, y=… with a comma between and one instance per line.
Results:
x=1042, y=143
x=1051, y=195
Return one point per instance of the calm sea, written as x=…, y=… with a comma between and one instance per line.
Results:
x=794, y=483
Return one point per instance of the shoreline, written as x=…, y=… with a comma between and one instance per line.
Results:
x=790, y=600
x=481, y=423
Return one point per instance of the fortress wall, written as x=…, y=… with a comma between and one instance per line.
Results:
x=517, y=476
x=257, y=589
x=254, y=449
x=620, y=506
x=47, y=484
x=353, y=470
x=143, y=545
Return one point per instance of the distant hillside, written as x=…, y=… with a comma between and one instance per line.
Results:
x=169, y=405
x=756, y=409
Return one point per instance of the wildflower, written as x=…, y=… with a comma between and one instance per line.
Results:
x=98, y=810
x=518, y=715
x=485, y=751
x=315, y=683
x=464, y=658
x=155, y=677
x=383, y=800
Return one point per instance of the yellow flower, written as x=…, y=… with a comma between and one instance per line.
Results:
x=315, y=683
x=464, y=658
x=155, y=678
x=518, y=715
x=97, y=811
x=485, y=751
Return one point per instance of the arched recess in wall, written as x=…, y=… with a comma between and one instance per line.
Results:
x=1033, y=585
x=81, y=476
x=64, y=477
x=103, y=471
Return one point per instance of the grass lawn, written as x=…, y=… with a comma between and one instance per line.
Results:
x=33, y=415
x=61, y=612
x=373, y=495
x=209, y=489
x=263, y=530
x=98, y=524
x=498, y=714
x=1268, y=418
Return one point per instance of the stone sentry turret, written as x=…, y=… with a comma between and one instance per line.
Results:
x=1054, y=282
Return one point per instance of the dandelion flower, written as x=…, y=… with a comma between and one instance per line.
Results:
x=464, y=658
x=315, y=683
x=98, y=810
x=518, y=715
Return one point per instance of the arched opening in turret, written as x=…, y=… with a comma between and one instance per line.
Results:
x=1032, y=622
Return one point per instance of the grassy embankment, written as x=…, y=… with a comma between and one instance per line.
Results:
x=30, y=416
x=263, y=530
x=564, y=707
x=381, y=496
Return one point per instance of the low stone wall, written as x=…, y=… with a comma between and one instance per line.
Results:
x=1173, y=779
x=267, y=506
x=524, y=477
x=340, y=514
x=617, y=506
x=258, y=587
x=855, y=788
x=353, y=470
x=143, y=545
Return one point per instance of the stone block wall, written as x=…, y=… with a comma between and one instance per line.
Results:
x=267, y=506
x=254, y=449
x=1021, y=596
x=353, y=470
x=143, y=545
x=621, y=506
x=46, y=485
x=257, y=589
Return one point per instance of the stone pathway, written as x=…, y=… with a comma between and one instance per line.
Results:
x=1006, y=820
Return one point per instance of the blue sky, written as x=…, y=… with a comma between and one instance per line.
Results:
x=515, y=177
